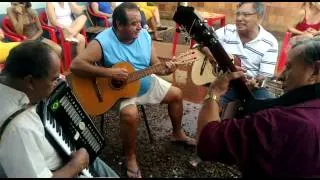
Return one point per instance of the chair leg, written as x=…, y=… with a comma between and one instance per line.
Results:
x=146, y=123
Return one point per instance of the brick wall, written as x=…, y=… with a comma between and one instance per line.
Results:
x=277, y=14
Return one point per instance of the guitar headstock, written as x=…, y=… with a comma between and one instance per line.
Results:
x=189, y=57
x=194, y=24
x=203, y=34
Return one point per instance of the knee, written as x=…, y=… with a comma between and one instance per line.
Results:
x=177, y=94
x=83, y=18
x=81, y=39
x=129, y=115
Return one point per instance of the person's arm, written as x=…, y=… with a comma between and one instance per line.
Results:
x=79, y=161
x=230, y=140
x=52, y=15
x=22, y=152
x=39, y=27
x=95, y=8
x=82, y=64
x=1, y=34
x=292, y=26
x=16, y=20
x=210, y=109
x=75, y=8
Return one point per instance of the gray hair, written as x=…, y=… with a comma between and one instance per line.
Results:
x=257, y=5
x=310, y=52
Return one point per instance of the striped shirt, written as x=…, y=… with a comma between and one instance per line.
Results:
x=258, y=57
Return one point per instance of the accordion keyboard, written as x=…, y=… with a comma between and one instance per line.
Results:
x=69, y=126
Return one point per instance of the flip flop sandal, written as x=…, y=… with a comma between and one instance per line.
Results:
x=189, y=141
x=159, y=39
x=162, y=28
x=134, y=174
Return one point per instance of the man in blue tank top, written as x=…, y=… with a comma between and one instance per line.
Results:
x=128, y=42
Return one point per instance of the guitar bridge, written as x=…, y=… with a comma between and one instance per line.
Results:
x=203, y=65
x=97, y=90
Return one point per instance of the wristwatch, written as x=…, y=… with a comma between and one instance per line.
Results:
x=212, y=96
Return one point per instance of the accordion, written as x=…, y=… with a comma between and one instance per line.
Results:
x=67, y=126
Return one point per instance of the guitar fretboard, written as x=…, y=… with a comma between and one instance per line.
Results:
x=140, y=74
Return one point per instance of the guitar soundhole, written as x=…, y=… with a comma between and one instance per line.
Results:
x=117, y=84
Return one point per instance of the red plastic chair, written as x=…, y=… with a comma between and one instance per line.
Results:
x=66, y=45
x=10, y=34
x=1, y=67
x=9, y=31
x=98, y=16
x=283, y=54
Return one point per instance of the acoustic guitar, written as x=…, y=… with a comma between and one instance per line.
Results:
x=203, y=72
x=98, y=95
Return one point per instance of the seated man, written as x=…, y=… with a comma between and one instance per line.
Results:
x=249, y=41
x=26, y=79
x=127, y=41
x=281, y=138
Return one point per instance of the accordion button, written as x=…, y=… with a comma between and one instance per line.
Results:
x=82, y=125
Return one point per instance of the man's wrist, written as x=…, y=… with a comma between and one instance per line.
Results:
x=212, y=97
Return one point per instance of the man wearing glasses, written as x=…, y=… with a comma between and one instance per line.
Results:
x=252, y=44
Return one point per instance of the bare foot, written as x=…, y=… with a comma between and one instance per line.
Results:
x=181, y=137
x=133, y=170
x=156, y=37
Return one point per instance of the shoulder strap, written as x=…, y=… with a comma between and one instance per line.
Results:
x=10, y=118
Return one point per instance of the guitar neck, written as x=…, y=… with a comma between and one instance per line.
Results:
x=225, y=63
x=145, y=72
x=184, y=58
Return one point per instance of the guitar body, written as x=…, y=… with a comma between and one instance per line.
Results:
x=202, y=72
x=85, y=89
x=201, y=77
x=98, y=95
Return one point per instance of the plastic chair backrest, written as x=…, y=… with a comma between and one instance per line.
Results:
x=7, y=24
x=43, y=18
x=282, y=59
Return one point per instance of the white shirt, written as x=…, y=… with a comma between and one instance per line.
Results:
x=118, y=3
x=63, y=14
x=24, y=149
x=258, y=57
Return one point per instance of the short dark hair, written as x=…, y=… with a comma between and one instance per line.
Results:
x=27, y=4
x=258, y=6
x=119, y=14
x=29, y=58
x=311, y=50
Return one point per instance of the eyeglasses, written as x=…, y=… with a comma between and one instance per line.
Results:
x=245, y=14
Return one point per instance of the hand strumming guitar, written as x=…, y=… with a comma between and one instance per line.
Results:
x=119, y=74
x=254, y=83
